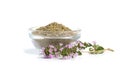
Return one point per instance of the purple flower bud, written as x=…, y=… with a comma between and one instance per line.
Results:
x=50, y=50
x=94, y=42
x=81, y=44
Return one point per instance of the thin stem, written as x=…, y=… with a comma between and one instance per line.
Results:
x=108, y=49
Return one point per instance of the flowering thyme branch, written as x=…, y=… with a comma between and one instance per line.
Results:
x=72, y=50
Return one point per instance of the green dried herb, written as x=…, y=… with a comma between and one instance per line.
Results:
x=54, y=26
x=52, y=34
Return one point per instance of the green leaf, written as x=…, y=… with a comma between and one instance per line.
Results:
x=99, y=48
x=79, y=53
x=89, y=44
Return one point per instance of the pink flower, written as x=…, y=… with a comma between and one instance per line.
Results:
x=51, y=56
x=94, y=42
x=50, y=50
x=81, y=44
x=61, y=49
x=70, y=46
x=55, y=49
x=51, y=46
x=73, y=55
x=60, y=44
x=77, y=41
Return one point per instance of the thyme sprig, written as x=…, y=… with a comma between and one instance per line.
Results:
x=72, y=50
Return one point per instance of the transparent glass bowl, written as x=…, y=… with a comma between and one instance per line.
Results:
x=46, y=38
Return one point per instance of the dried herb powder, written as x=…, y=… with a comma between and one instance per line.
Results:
x=54, y=30
x=54, y=27
x=53, y=34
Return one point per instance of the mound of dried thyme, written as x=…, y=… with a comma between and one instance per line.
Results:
x=54, y=26
x=54, y=33
x=54, y=29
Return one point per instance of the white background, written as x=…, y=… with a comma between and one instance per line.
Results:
x=98, y=19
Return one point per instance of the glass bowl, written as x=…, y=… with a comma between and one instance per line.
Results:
x=45, y=38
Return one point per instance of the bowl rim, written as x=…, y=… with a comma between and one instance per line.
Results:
x=32, y=29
